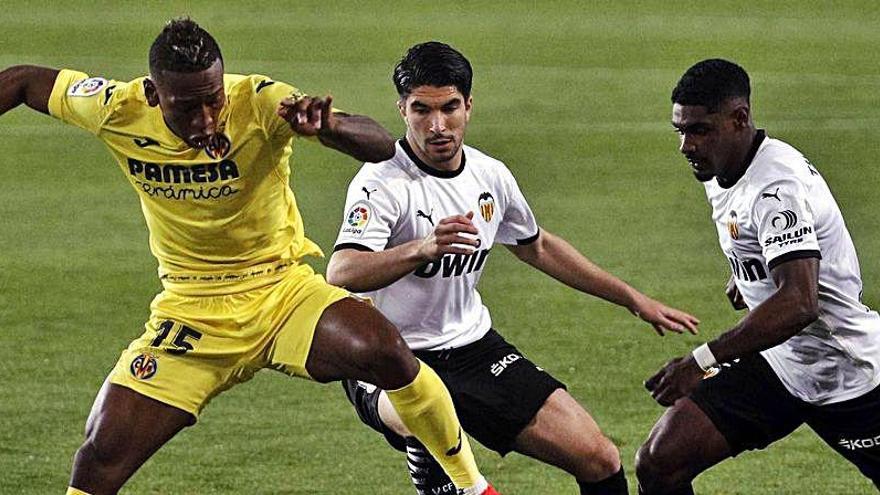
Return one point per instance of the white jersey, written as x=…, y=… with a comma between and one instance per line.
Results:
x=781, y=209
x=437, y=306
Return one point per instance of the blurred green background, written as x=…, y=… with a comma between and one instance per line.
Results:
x=573, y=96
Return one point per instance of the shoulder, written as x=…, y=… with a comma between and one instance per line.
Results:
x=396, y=173
x=483, y=164
x=777, y=160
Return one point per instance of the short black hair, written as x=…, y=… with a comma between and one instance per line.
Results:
x=433, y=64
x=710, y=83
x=183, y=46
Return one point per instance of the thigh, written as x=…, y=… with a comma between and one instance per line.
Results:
x=563, y=434
x=852, y=429
x=295, y=309
x=496, y=390
x=353, y=340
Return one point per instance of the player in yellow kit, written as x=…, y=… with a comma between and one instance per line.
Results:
x=207, y=153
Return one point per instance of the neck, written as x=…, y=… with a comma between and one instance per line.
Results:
x=450, y=165
x=746, y=153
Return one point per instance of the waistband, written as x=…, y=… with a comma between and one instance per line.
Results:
x=224, y=283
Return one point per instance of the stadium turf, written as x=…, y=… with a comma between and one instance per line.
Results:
x=574, y=96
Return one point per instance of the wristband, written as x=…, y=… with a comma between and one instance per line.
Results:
x=704, y=358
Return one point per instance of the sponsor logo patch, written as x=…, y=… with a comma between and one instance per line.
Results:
x=357, y=218
x=861, y=443
x=87, y=87
x=487, y=206
x=144, y=366
x=500, y=366
x=784, y=220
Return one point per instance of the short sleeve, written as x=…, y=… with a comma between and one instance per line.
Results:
x=81, y=100
x=785, y=222
x=371, y=212
x=518, y=225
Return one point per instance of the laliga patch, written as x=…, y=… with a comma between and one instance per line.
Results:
x=144, y=366
x=357, y=218
x=87, y=87
x=487, y=206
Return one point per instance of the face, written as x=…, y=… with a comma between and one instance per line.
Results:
x=436, y=118
x=713, y=143
x=190, y=101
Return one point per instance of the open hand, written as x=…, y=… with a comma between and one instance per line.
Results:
x=663, y=318
x=308, y=115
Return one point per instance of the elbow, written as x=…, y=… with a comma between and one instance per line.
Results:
x=336, y=273
x=805, y=312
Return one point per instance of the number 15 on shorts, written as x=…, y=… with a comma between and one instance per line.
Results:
x=183, y=339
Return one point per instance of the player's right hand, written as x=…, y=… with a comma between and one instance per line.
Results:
x=732, y=291
x=447, y=238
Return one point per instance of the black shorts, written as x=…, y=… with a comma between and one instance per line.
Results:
x=751, y=408
x=496, y=391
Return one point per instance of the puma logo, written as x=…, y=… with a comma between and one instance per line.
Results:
x=420, y=213
x=774, y=195
x=455, y=450
x=368, y=192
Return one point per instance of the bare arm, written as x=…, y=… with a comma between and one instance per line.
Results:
x=362, y=271
x=792, y=307
x=355, y=135
x=26, y=84
x=559, y=259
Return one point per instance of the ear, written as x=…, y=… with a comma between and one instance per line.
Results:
x=151, y=93
x=401, y=107
x=742, y=116
x=468, y=106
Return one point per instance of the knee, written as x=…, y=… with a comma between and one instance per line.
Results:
x=656, y=475
x=389, y=361
x=601, y=462
x=98, y=465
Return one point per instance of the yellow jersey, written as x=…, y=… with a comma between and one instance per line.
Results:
x=220, y=219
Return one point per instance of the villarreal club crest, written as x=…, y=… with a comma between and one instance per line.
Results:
x=144, y=366
x=218, y=146
x=487, y=206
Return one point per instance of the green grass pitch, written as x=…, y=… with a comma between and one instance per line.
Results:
x=573, y=96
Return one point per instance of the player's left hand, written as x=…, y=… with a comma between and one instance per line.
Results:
x=308, y=115
x=675, y=380
x=663, y=318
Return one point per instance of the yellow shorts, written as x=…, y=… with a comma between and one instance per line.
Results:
x=195, y=347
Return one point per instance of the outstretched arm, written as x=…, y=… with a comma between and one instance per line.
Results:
x=559, y=259
x=28, y=84
x=355, y=135
x=363, y=271
x=793, y=306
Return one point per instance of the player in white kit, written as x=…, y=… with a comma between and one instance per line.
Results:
x=808, y=351
x=417, y=232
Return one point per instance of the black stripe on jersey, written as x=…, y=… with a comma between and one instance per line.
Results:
x=351, y=245
x=528, y=240
x=793, y=255
x=443, y=174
